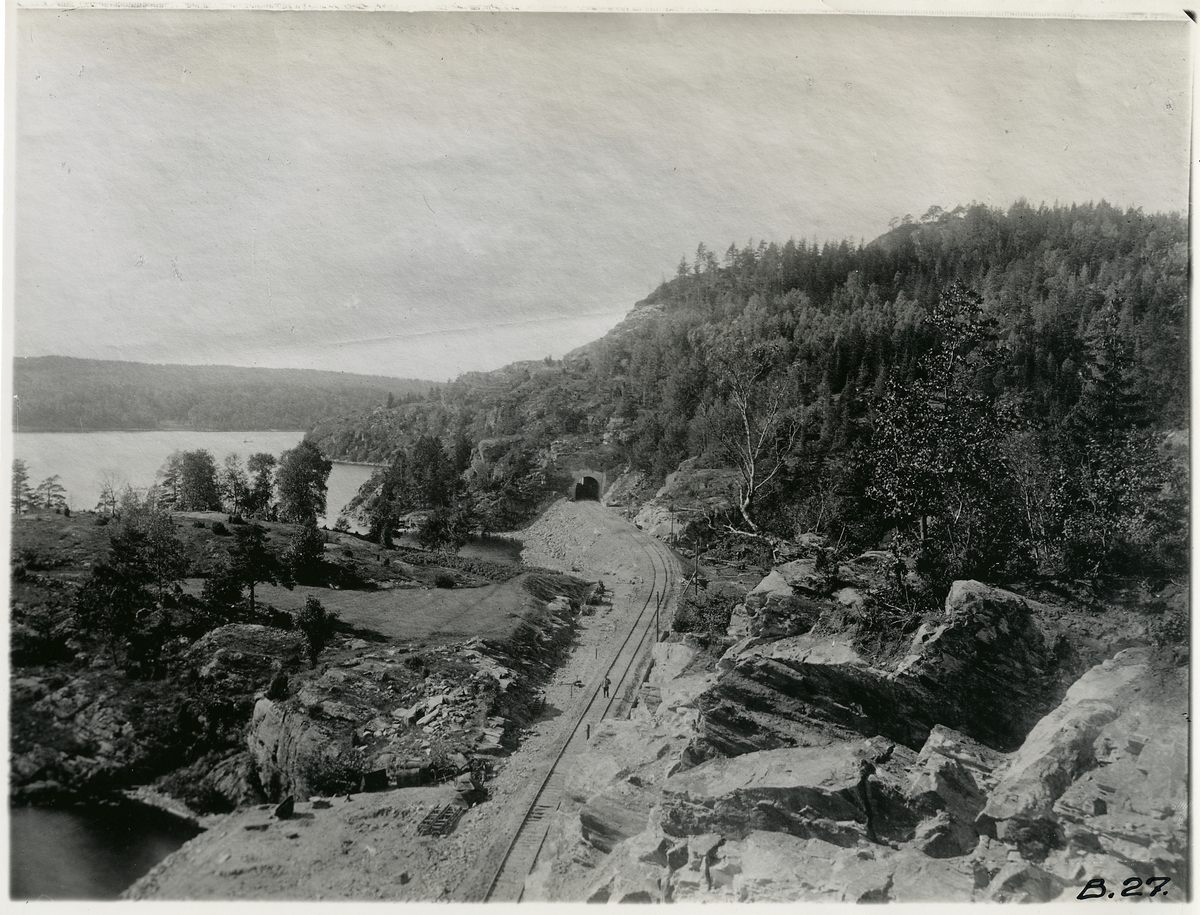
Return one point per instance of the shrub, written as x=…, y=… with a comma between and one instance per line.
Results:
x=236, y=519
x=304, y=553
x=317, y=624
x=444, y=580
x=332, y=775
x=222, y=594
x=198, y=524
x=220, y=529
x=705, y=612
x=1171, y=629
x=892, y=613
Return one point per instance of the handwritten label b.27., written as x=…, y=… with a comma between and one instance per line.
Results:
x=1132, y=886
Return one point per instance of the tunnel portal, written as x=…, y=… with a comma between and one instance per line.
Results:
x=588, y=485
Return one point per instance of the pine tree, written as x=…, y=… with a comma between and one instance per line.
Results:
x=20, y=486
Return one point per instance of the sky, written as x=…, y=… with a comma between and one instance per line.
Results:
x=419, y=195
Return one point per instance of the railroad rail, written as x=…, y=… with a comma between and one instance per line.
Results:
x=508, y=882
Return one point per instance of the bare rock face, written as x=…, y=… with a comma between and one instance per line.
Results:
x=776, y=867
x=1099, y=786
x=617, y=814
x=947, y=785
x=1062, y=745
x=286, y=745
x=801, y=690
x=670, y=660
x=776, y=610
x=985, y=645
x=992, y=792
x=808, y=792
x=633, y=873
x=767, y=702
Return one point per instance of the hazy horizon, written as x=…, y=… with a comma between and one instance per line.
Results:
x=420, y=195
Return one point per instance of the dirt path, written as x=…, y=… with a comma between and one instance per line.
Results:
x=367, y=847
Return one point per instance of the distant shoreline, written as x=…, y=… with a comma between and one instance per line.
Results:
x=300, y=432
x=61, y=430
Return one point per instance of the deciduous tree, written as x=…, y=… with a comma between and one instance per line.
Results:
x=752, y=418
x=197, y=484
x=261, y=467
x=302, y=480
x=233, y=485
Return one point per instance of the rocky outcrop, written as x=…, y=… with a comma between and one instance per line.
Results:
x=809, y=792
x=244, y=657
x=947, y=786
x=775, y=609
x=101, y=731
x=767, y=701
x=778, y=811
x=798, y=690
x=986, y=644
x=688, y=495
x=287, y=746
x=1100, y=784
x=388, y=712
x=772, y=867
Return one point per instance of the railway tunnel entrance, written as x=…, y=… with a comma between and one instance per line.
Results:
x=589, y=485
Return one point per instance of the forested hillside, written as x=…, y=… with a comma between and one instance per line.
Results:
x=59, y=394
x=993, y=387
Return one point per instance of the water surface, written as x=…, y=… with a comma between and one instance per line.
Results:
x=92, y=852
x=84, y=461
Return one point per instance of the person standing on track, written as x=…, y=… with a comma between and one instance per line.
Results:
x=607, y=684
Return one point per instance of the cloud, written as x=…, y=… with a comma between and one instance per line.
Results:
x=340, y=188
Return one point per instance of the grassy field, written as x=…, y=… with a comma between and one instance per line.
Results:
x=377, y=591
x=420, y=614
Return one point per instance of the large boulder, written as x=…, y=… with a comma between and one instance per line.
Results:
x=809, y=792
x=985, y=644
x=243, y=657
x=292, y=751
x=947, y=786
x=776, y=609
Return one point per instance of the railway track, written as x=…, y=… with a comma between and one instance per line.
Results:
x=624, y=671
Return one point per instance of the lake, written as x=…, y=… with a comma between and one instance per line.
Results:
x=83, y=460
x=92, y=852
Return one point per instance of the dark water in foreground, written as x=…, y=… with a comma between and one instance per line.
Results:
x=86, y=852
